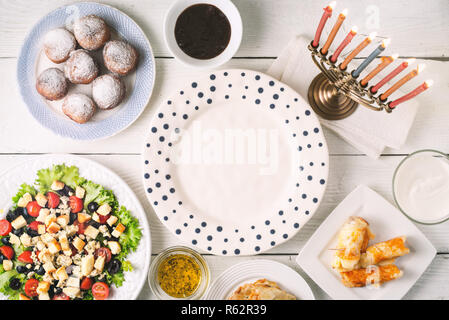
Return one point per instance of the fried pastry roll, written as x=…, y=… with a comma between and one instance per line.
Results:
x=386, y=250
x=353, y=239
x=373, y=275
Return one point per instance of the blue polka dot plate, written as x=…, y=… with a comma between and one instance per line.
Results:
x=235, y=162
x=105, y=123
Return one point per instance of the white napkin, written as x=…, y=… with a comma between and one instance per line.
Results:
x=367, y=130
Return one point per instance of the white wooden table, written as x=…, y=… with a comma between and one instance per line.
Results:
x=418, y=28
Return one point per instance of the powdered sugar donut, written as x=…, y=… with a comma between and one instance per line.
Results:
x=78, y=107
x=108, y=91
x=52, y=84
x=80, y=68
x=91, y=32
x=58, y=43
x=120, y=57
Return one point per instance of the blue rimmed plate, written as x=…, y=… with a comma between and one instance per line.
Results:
x=104, y=124
x=235, y=162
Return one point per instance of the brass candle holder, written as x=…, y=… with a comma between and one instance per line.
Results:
x=335, y=94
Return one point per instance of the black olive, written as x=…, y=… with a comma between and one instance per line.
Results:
x=95, y=224
x=35, y=298
x=15, y=284
x=58, y=290
x=21, y=269
x=92, y=207
x=11, y=216
x=32, y=233
x=73, y=217
x=1, y=258
x=21, y=211
x=18, y=232
x=5, y=241
x=40, y=271
x=114, y=266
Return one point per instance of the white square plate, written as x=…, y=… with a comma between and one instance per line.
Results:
x=386, y=222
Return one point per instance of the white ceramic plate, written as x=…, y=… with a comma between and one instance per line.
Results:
x=105, y=123
x=386, y=222
x=235, y=162
x=252, y=270
x=11, y=180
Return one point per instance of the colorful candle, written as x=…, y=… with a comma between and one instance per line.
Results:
x=401, y=82
x=330, y=39
x=326, y=15
x=426, y=85
x=343, y=45
x=392, y=74
x=370, y=58
x=385, y=61
x=357, y=50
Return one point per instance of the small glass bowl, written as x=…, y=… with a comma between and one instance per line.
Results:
x=419, y=152
x=154, y=267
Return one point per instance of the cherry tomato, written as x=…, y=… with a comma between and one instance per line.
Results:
x=53, y=200
x=34, y=225
x=86, y=284
x=100, y=291
x=76, y=204
x=5, y=227
x=61, y=296
x=30, y=287
x=105, y=252
x=7, y=252
x=33, y=209
x=105, y=218
x=25, y=257
x=81, y=226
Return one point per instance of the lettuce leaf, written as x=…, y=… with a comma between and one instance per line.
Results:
x=130, y=238
x=69, y=175
x=24, y=188
x=97, y=193
x=5, y=278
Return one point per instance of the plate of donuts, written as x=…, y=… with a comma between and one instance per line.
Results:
x=86, y=71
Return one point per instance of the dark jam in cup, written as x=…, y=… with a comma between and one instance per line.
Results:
x=202, y=31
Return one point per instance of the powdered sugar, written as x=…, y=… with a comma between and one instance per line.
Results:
x=91, y=32
x=80, y=68
x=78, y=107
x=58, y=44
x=52, y=84
x=108, y=91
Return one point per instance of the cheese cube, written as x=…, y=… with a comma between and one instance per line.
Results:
x=25, y=239
x=53, y=227
x=91, y=232
x=114, y=246
x=71, y=292
x=78, y=244
x=83, y=217
x=47, y=238
x=64, y=242
x=54, y=247
x=43, y=213
x=80, y=192
x=49, y=267
x=23, y=297
x=57, y=185
x=96, y=217
x=7, y=265
x=43, y=287
x=71, y=230
x=19, y=222
x=41, y=229
x=40, y=245
x=64, y=260
x=73, y=282
x=50, y=219
x=24, y=200
x=41, y=199
x=104, y=209
x=112, y=220
x=68, y=253
x=61, y=274
x=63, y=220
x=87, y=265
x=44, y=296
x=99, y=263
x=13, y=239
x=118, y=230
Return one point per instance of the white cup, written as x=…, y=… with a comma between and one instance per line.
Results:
x=229, y=10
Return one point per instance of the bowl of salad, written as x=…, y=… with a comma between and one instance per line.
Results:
x=66, y=237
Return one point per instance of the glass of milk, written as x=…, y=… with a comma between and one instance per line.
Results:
x=421, y=186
